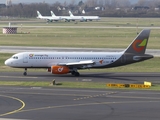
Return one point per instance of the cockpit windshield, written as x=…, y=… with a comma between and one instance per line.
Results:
x=14, y=57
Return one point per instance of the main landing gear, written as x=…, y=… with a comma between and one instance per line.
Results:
x=75, y=73
x=25, y=72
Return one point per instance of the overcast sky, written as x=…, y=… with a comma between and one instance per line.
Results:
x=47, y=1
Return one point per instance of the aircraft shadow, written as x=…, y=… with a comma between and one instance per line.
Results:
x=103, y=76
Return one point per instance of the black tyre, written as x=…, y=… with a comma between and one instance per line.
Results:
x=73, y=72
x=25, y=73
x=76, y=74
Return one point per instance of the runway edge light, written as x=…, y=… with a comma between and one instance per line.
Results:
x=147, y=83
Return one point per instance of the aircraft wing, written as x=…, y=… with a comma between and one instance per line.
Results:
x=80, y=63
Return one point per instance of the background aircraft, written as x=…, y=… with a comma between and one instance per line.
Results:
x=66, y=18
x=48, y=18
x=71, y=62
x=84, y=18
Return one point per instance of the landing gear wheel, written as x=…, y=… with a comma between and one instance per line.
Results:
x=76, y=74
x=25, y=72
x=73, y=72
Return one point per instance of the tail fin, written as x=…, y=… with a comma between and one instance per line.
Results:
x=39, y=14
x=139, y=44
x=52, y=14
x=70, y=13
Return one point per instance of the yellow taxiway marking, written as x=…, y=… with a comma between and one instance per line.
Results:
x=79, y=104
x=14, y=111
x=85, y=104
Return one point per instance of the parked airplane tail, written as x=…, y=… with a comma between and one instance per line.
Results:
x=39, y=14
x=139, y=44
x=70, y=13
x=52, y=14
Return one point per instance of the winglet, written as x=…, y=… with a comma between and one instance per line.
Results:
x=139, y=44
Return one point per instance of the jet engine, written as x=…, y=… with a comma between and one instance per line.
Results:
x=59, y=70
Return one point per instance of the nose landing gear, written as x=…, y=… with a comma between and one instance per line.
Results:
x=25, y=72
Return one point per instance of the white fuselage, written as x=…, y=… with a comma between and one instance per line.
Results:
x=91, y=17
x=49, y=18
x=83, y=18
x=48, y=59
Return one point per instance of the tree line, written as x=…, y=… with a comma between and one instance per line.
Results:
x=106, y=8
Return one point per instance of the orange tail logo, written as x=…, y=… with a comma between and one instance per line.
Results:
x=139, y=45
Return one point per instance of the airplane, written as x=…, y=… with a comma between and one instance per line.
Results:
x=48, y=18
x=83, y=18
x=71, y=62
x=66, y=18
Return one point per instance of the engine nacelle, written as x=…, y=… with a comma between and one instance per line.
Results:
x=59, y=70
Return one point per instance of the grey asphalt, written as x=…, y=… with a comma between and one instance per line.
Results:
x=78, y=104
x=38, y=103
x=85, y=77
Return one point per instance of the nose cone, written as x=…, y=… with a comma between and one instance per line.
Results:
x=7, y=62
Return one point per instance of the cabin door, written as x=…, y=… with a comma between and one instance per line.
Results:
x=25, y=58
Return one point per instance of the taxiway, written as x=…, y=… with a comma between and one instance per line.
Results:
x=86, y=77
x=31, y=103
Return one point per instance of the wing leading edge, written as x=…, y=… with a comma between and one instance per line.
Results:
x=87, y=62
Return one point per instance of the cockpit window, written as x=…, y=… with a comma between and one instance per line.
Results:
x=14, y=57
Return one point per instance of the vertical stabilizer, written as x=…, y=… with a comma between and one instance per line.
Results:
x=139, y=44
x=52, y=14
x=70, y=13
x=39, y=14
